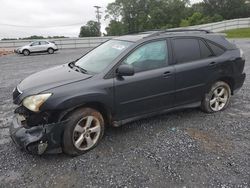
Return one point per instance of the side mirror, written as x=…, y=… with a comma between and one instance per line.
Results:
x=125, y=70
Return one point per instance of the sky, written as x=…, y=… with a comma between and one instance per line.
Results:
x=23, y=18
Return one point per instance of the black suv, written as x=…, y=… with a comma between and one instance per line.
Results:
x=66, y=108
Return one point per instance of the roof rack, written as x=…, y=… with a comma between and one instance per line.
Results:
x=177, y=31
x=187, y=30
x=146, y=32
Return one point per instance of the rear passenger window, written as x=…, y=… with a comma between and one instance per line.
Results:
x=205, y=51
x=216, y=49
x=186, y=50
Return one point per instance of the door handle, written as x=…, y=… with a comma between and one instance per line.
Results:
x=167, y=74
x=212, y=64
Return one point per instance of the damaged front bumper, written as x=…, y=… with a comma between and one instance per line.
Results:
x=37, y=139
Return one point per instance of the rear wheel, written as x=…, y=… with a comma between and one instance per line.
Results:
x=50, y=50
x=26, y=52
x=217, y=99
x=83, y=132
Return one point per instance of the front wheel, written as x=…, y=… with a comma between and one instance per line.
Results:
x=26, y=52
x=217, y=99
x=83, y=132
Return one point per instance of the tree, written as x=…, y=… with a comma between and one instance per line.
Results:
x=198, y=18
x=140, y=15
x=33, y=37
x=116, y=28
x=113, y=11
x=9, y=39
x=228, y=9
x=131, y=16
x=91, y=29
x=197, y=7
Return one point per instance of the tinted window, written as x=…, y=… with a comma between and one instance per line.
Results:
x=186, y=50
x=149, y=56
x=205, y=51
x=216, y=49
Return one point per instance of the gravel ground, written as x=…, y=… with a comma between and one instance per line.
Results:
x=181, y=149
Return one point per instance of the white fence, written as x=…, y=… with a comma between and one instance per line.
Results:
x=90, y=42
x=224, y=25
x=86, y=42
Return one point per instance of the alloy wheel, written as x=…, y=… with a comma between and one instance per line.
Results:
x=86, y=133
x=219, y=98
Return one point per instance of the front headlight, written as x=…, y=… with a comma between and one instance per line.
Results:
x=34, y=102
x=242, y=55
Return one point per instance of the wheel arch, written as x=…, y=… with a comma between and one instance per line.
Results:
x=25, y=49
x=227, y=79
x=100, y=107
x=50, y=48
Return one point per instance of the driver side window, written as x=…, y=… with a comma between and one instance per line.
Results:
x=149, y=56
x=35, y=44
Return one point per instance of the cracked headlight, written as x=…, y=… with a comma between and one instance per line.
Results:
x=34, y=102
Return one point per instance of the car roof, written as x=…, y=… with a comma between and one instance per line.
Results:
x=133, y=37
x=218, y=38
x=138, y=36
x=40, y=41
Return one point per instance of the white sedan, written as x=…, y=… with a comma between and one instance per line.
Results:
x=37, y=46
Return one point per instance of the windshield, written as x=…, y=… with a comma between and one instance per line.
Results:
x=102, y=56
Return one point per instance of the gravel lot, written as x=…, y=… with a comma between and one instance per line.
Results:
x=181, y=149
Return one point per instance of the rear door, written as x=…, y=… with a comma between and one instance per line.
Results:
x=152, y=86
x=44, y=46
x=195, y=63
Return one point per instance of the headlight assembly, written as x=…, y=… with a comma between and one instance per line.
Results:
x=34, y=102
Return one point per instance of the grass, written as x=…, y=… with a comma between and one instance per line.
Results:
x=238, y=33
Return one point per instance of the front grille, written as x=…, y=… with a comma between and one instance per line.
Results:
x=16, y=93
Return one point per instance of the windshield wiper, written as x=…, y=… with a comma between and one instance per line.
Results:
x=77, y=68
x=81, y=69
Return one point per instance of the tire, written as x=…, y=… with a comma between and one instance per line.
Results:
x=83, y=131
x=26, y=52
x=217, y=99
x=50, y=50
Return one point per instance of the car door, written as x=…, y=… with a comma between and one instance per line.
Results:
x=194, y=68
x=44, y=46
x=35, y=47
x=152, y=86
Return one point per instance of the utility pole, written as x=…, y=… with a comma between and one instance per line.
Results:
x=98, y=16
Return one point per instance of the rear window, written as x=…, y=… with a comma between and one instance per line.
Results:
x=186, y=50
x=216, y=49
x=205, y=51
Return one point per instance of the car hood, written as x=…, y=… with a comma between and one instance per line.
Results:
x=50, y=78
